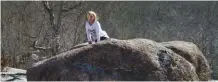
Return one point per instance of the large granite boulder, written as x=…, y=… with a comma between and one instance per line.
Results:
x=134, y=59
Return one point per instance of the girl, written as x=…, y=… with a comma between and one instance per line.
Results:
x=93, y=29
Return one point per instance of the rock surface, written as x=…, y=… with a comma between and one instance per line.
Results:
x=191, y=53
x=135, y=59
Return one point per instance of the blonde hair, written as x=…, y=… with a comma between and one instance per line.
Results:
x=92, y=13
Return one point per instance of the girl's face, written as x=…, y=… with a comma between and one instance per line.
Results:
x=91, y=18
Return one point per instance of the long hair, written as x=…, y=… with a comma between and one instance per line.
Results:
x=91, y=13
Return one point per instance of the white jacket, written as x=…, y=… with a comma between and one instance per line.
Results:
x=94, y=31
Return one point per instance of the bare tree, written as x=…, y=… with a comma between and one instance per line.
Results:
x=55, y=14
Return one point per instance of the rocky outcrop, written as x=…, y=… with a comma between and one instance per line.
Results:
x=192, y=54
x=135, y=59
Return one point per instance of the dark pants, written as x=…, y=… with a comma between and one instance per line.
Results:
x=102, y=38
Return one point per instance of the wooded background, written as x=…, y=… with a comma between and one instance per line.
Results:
x=47, y=28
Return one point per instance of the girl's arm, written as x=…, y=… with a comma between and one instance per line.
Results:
x=88, y=35
x=98, y=27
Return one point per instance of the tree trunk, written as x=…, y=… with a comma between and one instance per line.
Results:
x=55, y=15
x=56, y=28
x=55, y=21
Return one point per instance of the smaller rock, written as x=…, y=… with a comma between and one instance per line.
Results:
x=13, y=74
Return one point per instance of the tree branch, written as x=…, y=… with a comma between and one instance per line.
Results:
x=27, y=35
x=46, y=6
x=71, y=8
x=39, y=48
x=50, y=11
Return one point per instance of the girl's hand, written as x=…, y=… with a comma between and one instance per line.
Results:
x=90, y=42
